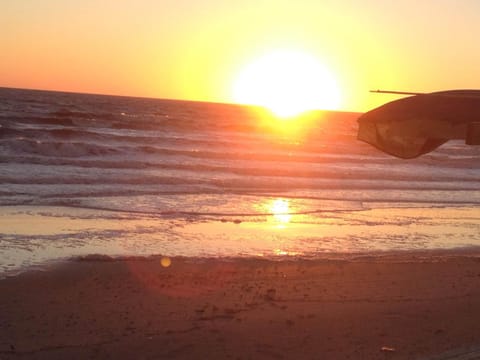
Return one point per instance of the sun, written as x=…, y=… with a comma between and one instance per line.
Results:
x=288, y=83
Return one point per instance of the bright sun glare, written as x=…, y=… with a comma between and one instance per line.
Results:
x=288, y=83
x=281, y=210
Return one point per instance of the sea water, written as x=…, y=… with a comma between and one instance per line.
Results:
x=88, y=174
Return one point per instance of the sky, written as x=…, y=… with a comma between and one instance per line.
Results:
x=195, y=50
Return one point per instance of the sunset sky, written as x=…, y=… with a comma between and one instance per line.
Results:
x=196, y=50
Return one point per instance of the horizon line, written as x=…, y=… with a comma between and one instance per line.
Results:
x=159, y=98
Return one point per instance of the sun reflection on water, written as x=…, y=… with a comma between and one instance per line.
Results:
x=280, y=209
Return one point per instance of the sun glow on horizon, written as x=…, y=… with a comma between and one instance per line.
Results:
x=288, y=83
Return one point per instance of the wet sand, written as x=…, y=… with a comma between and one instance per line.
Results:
x=392, y=307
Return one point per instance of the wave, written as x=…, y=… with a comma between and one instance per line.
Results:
x=64, y=133
x=213, y=137
x=39, y=142
x=56, y=148
x=68, y=113
x=275, y=170
x=193, y=201
x=116, y=184
x=35, y=120
x=69, y=145
x=201, y=164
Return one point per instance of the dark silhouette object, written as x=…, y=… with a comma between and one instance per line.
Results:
x=415, y=125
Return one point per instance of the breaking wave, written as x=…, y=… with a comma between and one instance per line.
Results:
x=57, y=145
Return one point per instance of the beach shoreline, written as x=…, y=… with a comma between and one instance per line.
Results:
x=56, y=234
x=398, y=306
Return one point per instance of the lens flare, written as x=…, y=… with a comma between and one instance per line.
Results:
x=165, y=262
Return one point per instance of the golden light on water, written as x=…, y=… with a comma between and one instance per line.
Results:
x=288, y=83
x=280, y=209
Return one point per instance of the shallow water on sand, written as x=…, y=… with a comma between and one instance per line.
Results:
x=32, y=236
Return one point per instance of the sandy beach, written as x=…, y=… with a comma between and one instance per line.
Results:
x=240, y=180
x=410, y=306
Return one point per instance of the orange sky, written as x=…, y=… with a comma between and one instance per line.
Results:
x=187, y=49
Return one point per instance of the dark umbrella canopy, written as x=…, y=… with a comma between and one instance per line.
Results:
x=415, y=125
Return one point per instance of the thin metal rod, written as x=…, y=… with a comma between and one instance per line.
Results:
x=396, y=92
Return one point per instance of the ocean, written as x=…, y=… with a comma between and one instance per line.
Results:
x=106, y=176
